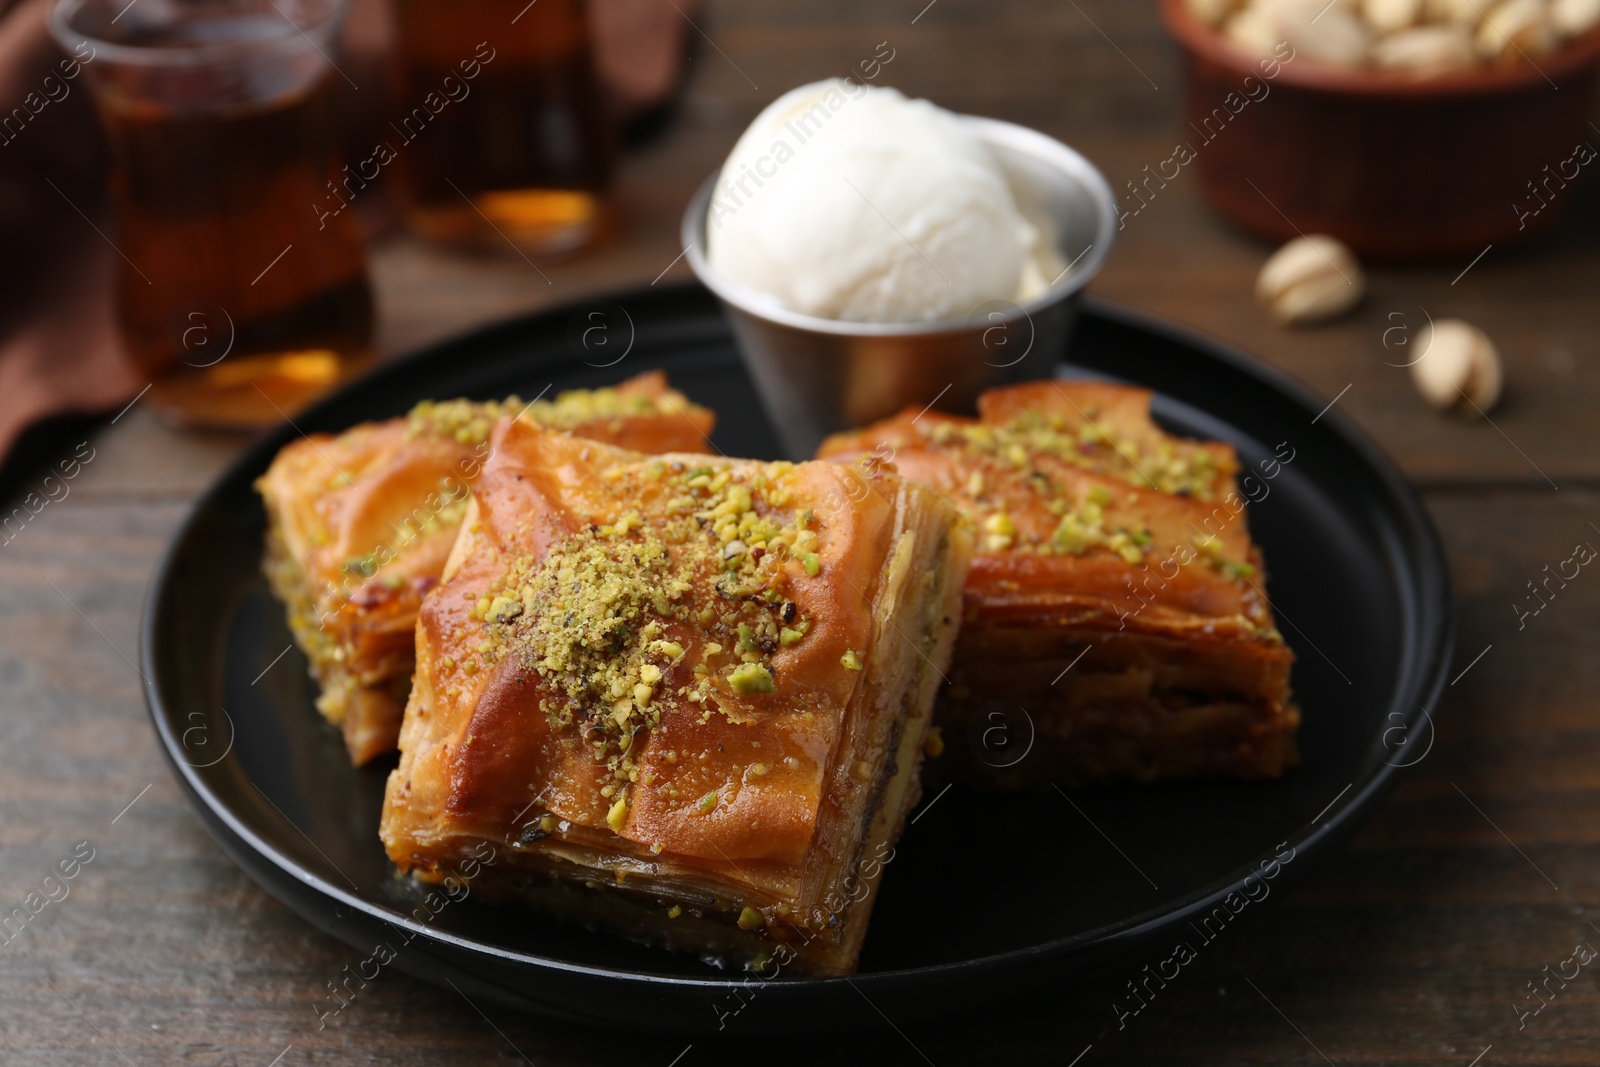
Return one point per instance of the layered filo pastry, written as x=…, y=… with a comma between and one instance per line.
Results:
x=1116, y=621
x=686, y=697
x=360, y=525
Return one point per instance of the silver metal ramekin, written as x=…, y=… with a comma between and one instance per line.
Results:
x=818, y=376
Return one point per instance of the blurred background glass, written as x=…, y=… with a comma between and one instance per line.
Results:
x=504, y=131
x=236, y=295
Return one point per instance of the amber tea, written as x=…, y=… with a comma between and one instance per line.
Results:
x=504, y=135
x=237, y=297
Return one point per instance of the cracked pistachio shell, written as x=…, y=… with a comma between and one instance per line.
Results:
x=1310, y=279
x=1327, y=32
x=1389, y=16
x=1425, y=50
x=1459, y=368
x=1514, y=29
x=1574, y=17
x=1252, y=31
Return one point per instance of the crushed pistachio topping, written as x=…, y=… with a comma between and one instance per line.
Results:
x=999, y=532
x=1083, y=443
x=1085, y=521
x=1084, y=527
x=469, y=421
x=604, y=616
x=578, y=406
x=1081, y=527
x=592, y=621
x=465, y=421
x=1210, y=548
x=752, y=678
x=618, y=812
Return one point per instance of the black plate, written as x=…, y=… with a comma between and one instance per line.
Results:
x=987, y=894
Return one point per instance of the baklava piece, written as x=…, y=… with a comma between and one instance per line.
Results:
x=360, y=525
x=685, y=697
x=1115, y=616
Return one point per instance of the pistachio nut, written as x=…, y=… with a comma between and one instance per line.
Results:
x=1252, y=31
x=1573, y=17
x=1425, y=50
x=1389, y=16
x=1328, y=31
x=1466, y=13
x=1459, y=367
x=1514, y=29
x=1310, y=279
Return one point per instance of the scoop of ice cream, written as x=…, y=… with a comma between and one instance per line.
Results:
x=851, y=202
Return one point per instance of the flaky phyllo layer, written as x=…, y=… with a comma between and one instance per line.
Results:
x=688, y=693
x=360, y=525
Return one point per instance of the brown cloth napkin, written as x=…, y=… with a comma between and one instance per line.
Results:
x=59, y=350
x=58, y=346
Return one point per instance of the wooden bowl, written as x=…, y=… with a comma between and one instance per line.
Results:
x=1395, y=166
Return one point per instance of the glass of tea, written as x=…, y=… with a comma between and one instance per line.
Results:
x=239, y=295
x=502, y=134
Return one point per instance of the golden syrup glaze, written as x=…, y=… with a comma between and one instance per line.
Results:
x=363, y=521
x=1086, y=511
x=506, y=727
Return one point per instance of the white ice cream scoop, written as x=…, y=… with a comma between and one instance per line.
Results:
x=840, y=319
x=850, y=202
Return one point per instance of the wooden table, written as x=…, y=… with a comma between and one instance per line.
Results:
x=1413, y=946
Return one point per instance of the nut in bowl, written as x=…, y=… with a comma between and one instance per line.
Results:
x=1405, y=130
x=849, y=301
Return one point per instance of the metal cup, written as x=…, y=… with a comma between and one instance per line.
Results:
x=818, y=376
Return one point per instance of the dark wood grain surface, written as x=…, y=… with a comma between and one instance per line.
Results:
x=1414, y=946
